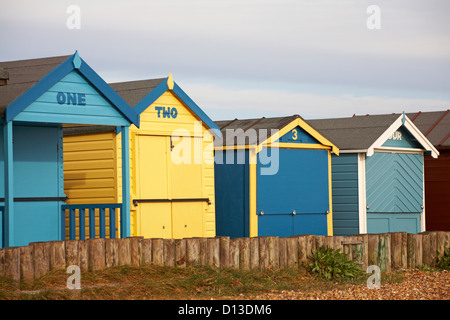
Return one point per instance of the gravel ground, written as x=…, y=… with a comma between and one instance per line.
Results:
x=417, y=285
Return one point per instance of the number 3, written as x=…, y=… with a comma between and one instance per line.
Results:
x=294, y=136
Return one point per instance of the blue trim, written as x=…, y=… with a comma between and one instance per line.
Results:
x=125, y=213
x=50, y=79
x=151, y=97
x=8, y=213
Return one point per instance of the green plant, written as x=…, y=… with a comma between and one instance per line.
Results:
x=332, y=264
x=443, y=263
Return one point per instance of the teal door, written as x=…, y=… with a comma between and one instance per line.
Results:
x=394, y=192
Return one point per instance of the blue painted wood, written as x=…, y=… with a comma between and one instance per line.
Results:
x=345, y=194
x=393, y=222
x=16, y=108
x=232, y=194
x=72, y=209
x=2, y=208
x=9, y=214
x=125, y=213
x=102, y=223
x=92, y=223
x=402, y=139
x=297, y=135
x=112, y=223
x=394, y=183
x=301, y=183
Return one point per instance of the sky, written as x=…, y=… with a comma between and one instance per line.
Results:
x=249, y=59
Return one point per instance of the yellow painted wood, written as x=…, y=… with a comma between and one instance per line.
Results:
x=330, y=198
x=253, y=219
x=155, y=172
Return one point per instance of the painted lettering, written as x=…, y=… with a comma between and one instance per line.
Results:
x=167, y=112
x=397, y=135
x=71, y=98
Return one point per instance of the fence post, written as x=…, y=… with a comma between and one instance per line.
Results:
x=57, y=255
x=72, y=257
x=169, y=252
x=12, y=263
x=254, y=253
x=234, y=253
x=96, y=254
x=158, y=251
x=146, y=251
x=418, y=249
x=135, y=250
x=224, y=252
x=213, y=253
x=83, y=253
x=292, y=252
x=426, y=249
x=26, y=263
x=244, y=254
x=41, y=259
x=192, y=252
x=112, y=252
x=301, y=246
x=180, y=253
x=282, y=242
x=373, y=257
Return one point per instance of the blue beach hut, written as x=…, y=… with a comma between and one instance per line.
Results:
x=378, y=179
x=41, y=97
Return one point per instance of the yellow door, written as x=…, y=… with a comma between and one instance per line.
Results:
x=169, y=196
x=186, y=184
x=155, y=220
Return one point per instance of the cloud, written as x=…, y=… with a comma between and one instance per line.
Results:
x=222, y=103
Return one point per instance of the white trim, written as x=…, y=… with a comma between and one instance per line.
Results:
x=400, y=150
x=422, y=215
x=415, y=132
x=362, y=193
x=353, y=151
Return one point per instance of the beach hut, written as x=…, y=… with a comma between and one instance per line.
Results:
x=40, y=97
x=435, y=125
x=171, y=162
x=273, y=178
x=378, y=179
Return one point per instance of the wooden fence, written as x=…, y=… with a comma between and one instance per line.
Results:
x=390, y=251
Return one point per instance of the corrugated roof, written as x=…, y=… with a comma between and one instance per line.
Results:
x=23, y=74
x=247, y=127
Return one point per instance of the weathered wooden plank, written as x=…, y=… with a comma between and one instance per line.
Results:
x=192, y=252
x=440, y=244
x=83, y=254
x=234, y=253
x=244, y=253
x=2, y=262
x=96, y=254
x=396, y=250
x=411, y=250
x=274, y=252
x=135, y=250
x=146, y=251
x=57, y=255
x=180, y=253
x=254, y=253
x=111, y=252
x=373, y=256
x=213, y=253
x=158, y=251
x=433, y=246
x=224, y=252
x=12, y=263
x=169, y=252
x=292, y=252
x=282, y=252
x=124, y=251
x=301, y=246
x=418, y=250
x=426, y=249
x=72, y=257
x=41, y=261
x=26, y=264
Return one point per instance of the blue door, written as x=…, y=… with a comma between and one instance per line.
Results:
x=293, y=198
x=394, y=192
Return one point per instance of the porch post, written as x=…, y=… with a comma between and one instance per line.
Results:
x=125, y=213
x=8, y=226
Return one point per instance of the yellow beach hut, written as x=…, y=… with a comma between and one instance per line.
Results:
x=171, y=162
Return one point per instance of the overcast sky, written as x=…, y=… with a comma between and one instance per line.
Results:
x=245, y=59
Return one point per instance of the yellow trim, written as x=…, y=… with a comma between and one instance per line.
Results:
x=330, y=199
x=170, y=82
x=253, y=219
x=302, y=124
x=287, y=145
x=234, y=147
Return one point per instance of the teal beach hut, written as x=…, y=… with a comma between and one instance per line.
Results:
x=378, y=179
x=39, y=98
